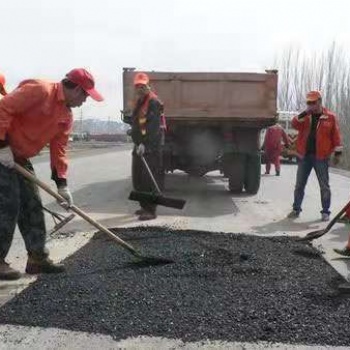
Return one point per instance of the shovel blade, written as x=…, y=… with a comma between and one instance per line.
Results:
x=157, y=199
x=312, y=235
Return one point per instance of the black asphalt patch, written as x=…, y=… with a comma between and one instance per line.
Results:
x=221, y=287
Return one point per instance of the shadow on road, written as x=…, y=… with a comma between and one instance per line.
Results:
x=286, y=225
x=339, y=235
x=206, y=197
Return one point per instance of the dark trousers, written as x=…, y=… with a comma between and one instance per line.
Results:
x=20, y=204
x=141, y=179
x=305, y=167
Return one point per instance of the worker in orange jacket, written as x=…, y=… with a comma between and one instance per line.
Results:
x=318, y=138
x=147, y=130
x=35, y=114
x=272, y=146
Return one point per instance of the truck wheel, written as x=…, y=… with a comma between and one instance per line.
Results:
x=235, y=184
x=234, y=170
x=252, y=174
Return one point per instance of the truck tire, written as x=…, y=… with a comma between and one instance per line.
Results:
x=252, y=174
x=234, y=170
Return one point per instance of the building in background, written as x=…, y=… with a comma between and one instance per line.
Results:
x=99, y=130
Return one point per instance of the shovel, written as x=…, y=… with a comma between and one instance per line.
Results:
x=319, y=233
x=58, y=219
x=140, y=259
x=155, y=198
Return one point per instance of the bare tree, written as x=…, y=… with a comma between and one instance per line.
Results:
x=327, y=71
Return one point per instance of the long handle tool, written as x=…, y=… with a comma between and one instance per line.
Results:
x=59, y=220
x=155, y=197
x=319, y=233
x=142, y=260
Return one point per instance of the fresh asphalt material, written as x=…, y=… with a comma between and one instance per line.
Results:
x=221, y=287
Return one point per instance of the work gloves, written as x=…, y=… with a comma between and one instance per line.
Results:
x=140, y=149
x=6, y=157
x=64, y=192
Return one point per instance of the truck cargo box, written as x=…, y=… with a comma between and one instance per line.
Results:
x=238, y=98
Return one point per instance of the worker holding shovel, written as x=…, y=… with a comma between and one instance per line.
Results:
x=35, y=114
x=146, y=134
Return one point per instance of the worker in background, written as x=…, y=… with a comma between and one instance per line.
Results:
x=273, y=147
x=146, y=133
x=2, y=85
x=318, y=138
x=35, y=114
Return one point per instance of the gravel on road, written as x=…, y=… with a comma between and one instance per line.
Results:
x=231, y=287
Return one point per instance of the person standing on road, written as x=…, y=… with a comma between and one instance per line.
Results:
x=318, y=137
x=273, y=147
x=35, y=114
x=146, y=133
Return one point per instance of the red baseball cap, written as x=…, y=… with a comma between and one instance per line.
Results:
x=141, y=79
x=313, y=96
x=85, y=80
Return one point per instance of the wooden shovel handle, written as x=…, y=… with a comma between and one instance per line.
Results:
x=28, y=175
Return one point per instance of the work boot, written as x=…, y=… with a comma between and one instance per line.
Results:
x=293, y=214
x=7, y=272
x=278, y=173
x=343, y=252
x=324, y=217
x=43, y=265
x=147, y=216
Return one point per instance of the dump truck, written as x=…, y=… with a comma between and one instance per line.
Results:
x=213, y=120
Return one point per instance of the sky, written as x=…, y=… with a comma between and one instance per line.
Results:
x=46, y=38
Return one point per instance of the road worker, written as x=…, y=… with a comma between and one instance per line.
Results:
x=35, y=114
x=147, y=135
x=318, y=138
x=273, y=147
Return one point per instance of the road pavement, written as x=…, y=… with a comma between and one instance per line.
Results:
x=100, y=182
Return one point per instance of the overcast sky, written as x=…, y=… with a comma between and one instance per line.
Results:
x=46, y=38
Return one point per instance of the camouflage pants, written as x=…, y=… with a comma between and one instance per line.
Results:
x=20, y=204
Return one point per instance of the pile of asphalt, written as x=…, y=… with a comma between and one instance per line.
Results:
x=220, y=287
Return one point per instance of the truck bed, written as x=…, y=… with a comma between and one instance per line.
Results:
x=239, y=98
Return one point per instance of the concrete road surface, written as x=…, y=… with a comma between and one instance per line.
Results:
x=100, y=182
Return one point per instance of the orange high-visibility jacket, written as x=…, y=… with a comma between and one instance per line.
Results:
x=34, y=115
x=328, y=139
